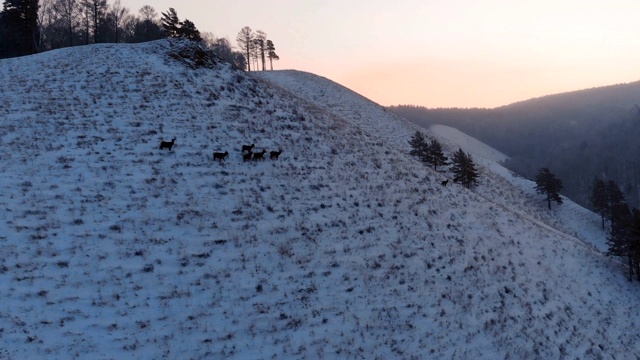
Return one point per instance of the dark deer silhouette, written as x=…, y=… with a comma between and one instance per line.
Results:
x=248, y=147
x=259, y=155
x=167, y=144
x=247, y=156
x=219, y=155
x=275, y=154
x=444, y=183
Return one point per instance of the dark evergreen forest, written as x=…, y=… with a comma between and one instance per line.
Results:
x=579, y=136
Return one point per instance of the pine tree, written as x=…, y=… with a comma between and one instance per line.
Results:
x=614, y=197
x=189, y=31
x=464, y=170
x=271, y=53
x=179, y=29
x=171, y=23
x=419, y=147
x=624, y=237
x=259, y=41
x=634, y=238
x=619, y=239
x=96, y=10
x=20, y=31
x=548, y=184
x=435, y=155
x=599, y=198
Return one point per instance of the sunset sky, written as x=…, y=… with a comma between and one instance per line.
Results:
x=453, y=53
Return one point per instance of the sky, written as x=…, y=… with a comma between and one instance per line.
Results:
x=454, y=53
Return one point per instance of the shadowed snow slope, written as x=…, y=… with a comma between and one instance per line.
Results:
x=468, y=143
x=343, y=247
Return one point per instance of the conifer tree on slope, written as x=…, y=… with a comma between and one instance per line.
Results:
x=419, y=147
x=436, y=156
x=620, y=237
x=464, y=170
x=271, y=53
x=179, y=29
x=614, y=197
x=599, y=198
x=624, y=237
x=259, y=41
x=634, y=241
x=189, y=31
x=171, y=23
x=548, y=184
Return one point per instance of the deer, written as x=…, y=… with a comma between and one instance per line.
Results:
x=247, y=147
x=259, y=155
x=274, y=154
x=220, y=155
x=247, y=156
x=167, y=144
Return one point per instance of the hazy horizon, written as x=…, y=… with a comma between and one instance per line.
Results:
x=436, y=53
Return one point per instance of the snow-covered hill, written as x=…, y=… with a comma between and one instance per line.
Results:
x=467, y=143
x=343, y=247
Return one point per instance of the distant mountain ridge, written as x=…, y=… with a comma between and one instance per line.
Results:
x=579, y=135
x=614, y=96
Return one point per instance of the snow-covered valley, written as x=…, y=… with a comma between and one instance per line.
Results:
x=343, y=247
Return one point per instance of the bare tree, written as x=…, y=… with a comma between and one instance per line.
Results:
x=46, y=20
x=148, y=15
x=99, y=7
x=260, y=40
x=85, y=14
x=222, y=48
x=67, y=14
x=119, y=14
x=208, y=39
x=147, y=12
x=128, y=27
x=94, y=15
x=245, y=42
x=254, y=56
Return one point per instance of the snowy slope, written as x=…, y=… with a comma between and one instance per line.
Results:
x=344, y=247
x=468, y=143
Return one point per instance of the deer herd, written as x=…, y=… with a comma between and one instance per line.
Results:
x=247, y=152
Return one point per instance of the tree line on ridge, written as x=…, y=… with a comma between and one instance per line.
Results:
x=32, y=26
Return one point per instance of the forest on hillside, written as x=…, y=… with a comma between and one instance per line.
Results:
x=579, y=136
x=29, y=27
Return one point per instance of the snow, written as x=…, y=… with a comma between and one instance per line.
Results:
x=344, y=247
x=467, y=143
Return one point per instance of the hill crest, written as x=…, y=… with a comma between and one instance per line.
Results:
x=343, y=247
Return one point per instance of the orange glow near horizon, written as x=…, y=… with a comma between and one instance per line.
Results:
x=454, y=53
x=455, y=85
